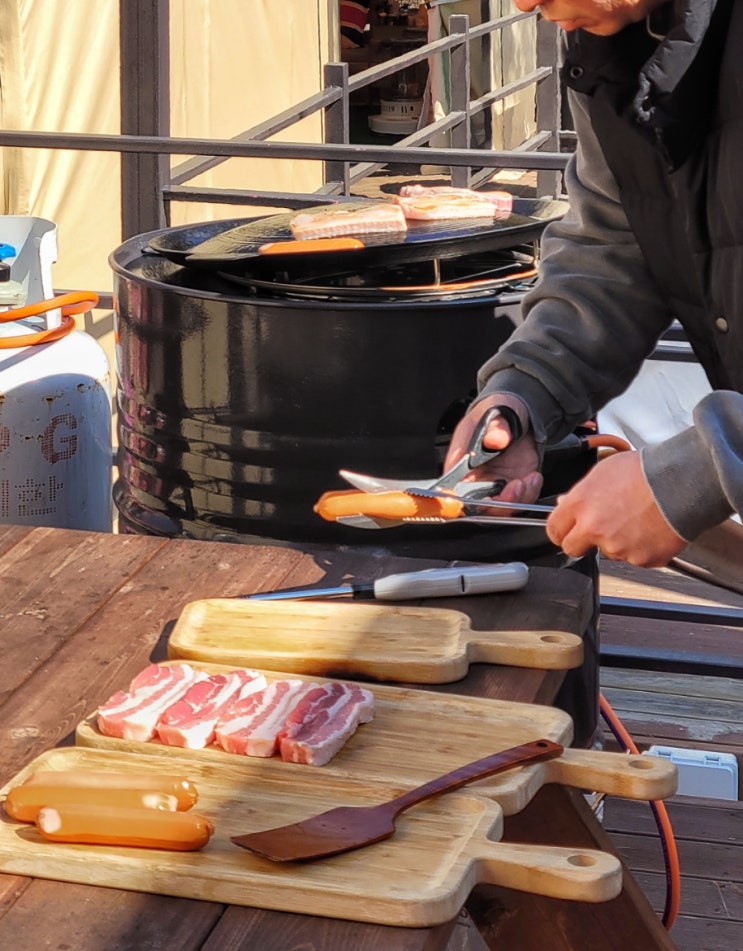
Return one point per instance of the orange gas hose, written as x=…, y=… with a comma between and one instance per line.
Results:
x=668, y=842
x=76, y=302
x=607, y=441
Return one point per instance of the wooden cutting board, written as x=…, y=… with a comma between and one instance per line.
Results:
x=417, y=735
x=419, y=877
x=369, y=641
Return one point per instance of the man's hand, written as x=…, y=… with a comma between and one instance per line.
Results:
x=518, y=465
x=613, y=509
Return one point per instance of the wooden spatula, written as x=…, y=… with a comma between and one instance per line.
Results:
x=352, y=827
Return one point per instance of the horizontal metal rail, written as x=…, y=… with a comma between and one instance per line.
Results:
x=261, y=132
x=672, y=660
x=307, y=150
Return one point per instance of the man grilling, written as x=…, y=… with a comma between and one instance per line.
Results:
x=654, y=233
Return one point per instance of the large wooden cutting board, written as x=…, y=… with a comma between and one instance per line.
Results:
x=417, y=735
x=375, y=641
x=419, y=877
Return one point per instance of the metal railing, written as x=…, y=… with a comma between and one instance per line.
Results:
x=145, y=144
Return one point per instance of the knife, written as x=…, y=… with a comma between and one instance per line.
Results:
x=426, y=583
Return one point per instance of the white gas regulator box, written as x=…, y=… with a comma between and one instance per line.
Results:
x=704, y=773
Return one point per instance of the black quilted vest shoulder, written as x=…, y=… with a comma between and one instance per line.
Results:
x=669, y=118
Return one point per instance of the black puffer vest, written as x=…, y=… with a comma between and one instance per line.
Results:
x=669, y=118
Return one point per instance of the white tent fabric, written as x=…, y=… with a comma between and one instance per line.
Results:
x=658, y=403
x=233, y=65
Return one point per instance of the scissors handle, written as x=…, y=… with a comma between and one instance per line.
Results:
x=476, y=453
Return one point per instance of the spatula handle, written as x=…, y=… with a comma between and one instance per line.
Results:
x=534, y=752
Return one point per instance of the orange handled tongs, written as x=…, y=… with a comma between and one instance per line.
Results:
x=387, y=503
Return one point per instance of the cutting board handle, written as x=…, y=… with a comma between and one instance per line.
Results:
x=617, y=774
x=538, y=650
x=553, y=871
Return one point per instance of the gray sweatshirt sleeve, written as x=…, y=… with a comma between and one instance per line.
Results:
x=589, y=323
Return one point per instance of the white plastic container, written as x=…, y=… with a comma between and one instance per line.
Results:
x=55, y=407
x=706, y=773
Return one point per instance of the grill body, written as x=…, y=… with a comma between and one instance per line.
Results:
x=236, y=410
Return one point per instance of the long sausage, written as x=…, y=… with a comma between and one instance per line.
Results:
x=183, y=789
x=24, y=802
x=110, y=825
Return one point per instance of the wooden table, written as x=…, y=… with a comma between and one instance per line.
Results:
x=83, y=612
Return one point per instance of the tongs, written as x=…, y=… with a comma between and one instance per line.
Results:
x=388, y=503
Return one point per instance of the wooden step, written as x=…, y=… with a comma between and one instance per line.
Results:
x=709, y=839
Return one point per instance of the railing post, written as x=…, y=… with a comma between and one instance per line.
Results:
x=459, y=80
x=144, y=85
x=549, y=102
x=337, y=125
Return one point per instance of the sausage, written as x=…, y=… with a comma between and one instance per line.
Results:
x=183, y=789
x=111, y=825
x=23, y=802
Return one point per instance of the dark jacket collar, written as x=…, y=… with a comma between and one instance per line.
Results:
x=666, y=87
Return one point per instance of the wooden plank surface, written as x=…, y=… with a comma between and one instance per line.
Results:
x=678, y=709
x=129, y=626
x=709, y=837
x=620, y=580
x=688, y=711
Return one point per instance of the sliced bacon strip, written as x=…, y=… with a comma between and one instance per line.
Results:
x=252, y=725
x=375, y=218
x=445, y=201
x=322, y=722
x=133, y=714
x=190, y=722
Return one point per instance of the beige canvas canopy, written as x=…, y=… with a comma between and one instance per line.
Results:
x=233, y=64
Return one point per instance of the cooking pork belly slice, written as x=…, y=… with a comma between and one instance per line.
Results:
x=451, y=202
x=375, y=218
x=252, y=726
x=322, y=722
x=190, y=722
x=133, y=714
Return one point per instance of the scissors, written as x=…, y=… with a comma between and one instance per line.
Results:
x=387, y=503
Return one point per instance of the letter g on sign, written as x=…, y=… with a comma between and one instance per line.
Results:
x=58, y=441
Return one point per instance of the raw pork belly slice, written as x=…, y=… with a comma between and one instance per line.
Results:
x=376, y=218
x=252, y=725
x=191, y=720
x=444, y=201
x=132, y=714
x=322, y=722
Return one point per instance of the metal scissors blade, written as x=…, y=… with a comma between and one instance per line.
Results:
x=475, y=456
x=366, y=521
x=367, y=483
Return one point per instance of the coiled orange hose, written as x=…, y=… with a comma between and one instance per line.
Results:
x=76, y=302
